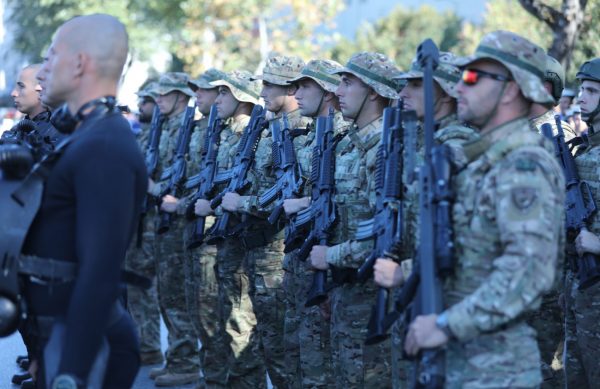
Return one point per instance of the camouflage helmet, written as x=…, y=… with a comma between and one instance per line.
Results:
x=321, y=72
x=590, y=70
x=280, y=69
x=446, y=75
x=521, y=57
x=149, y=90
x=203, y=82
x=376, y=70
x=555, y=75
x=174, y=81
x=241, y=85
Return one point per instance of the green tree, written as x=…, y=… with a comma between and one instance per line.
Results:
x=398, y=34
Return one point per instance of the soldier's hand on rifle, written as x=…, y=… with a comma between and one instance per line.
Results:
x=202, y=208
x=587, y=242
x=424, y=333
x=231, y=202
x=169, y=204
x=387, y=273
x=293, y=206
x=318, y=257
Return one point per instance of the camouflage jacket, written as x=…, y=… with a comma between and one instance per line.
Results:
x=548, y=117
x=356, y=156
x=507, y=221
x=451, y=133
x=262, y=174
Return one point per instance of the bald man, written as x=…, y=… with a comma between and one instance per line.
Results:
x=26, y=97
x=88, y=213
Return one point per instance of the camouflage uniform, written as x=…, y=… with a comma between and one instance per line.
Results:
x=245, y=367
x=507, y=221
x=582, y=313
x=202, y=291
x=142, y=304
x=354, y=363
x=307, y=332
x=264, y=242
x=453, y=134
x=182, y=353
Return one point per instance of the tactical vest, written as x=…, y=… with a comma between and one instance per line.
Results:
x=588, y=167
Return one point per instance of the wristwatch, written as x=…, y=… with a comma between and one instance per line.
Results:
x=66, y=381
x=442, y=323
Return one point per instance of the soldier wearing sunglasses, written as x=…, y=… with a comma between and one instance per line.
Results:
x=507, y=220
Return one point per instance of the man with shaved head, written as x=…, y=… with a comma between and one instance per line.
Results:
x=36, y=129
x=94, y=186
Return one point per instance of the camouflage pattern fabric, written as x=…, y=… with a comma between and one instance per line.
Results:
x=508, y=220
x=446, y=74
x=202, y=290
x=265, y=262
x=245, y=363
x=307, y=332
x=280, y=69
x=182, y=353
x=582, y=310
x=548, y=117
x=171, y=82
x=142, y=304
x=524, y=59
x=355, y=364
x=376, y=70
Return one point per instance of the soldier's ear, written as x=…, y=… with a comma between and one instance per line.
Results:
x=329, y=96
x=291, y=89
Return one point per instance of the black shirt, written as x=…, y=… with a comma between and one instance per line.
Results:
x=90, y=206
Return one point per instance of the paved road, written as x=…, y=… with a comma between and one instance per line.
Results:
x=12, y=346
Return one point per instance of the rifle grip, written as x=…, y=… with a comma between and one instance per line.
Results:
x=276, y=214
x=214, y=203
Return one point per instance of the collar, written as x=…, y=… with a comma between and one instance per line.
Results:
x=476, y=148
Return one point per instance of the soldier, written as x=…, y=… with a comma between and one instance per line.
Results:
x=307, y=330
x=143, y=303
x=554, y=76
x=26, y=95
x=547, y=321
x=146, y=104
x=566, y=101
x=366, y=88
x=200, y=283
x=582, y=334
x=450, y=131
x=183, y=363
x=262, y=242
x=236, y=340
x=507, y=221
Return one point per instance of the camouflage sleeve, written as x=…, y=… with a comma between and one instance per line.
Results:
x=527, y=204
x=350, y=253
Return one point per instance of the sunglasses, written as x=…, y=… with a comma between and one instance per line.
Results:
x=471, y=76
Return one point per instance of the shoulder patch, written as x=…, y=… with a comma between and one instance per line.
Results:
x=525, y=164
x=523, y=197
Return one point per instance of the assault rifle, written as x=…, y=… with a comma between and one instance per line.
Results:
x=386, y=226
x=152, y=155
x=244, y=157
x=204, y=180
x=287, y=170
x=321, y=214
x=579, y=204
x=175, y=173
x=435, y=253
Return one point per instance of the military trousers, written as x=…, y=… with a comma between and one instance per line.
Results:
x=245, y=363
x=265, y=266
x=182, y=353
x=582, y=334
x=356, y=365
x=142, y=304
x=306, y=330
x=202, y=296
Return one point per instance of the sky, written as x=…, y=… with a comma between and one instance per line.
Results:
x=359, y=11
